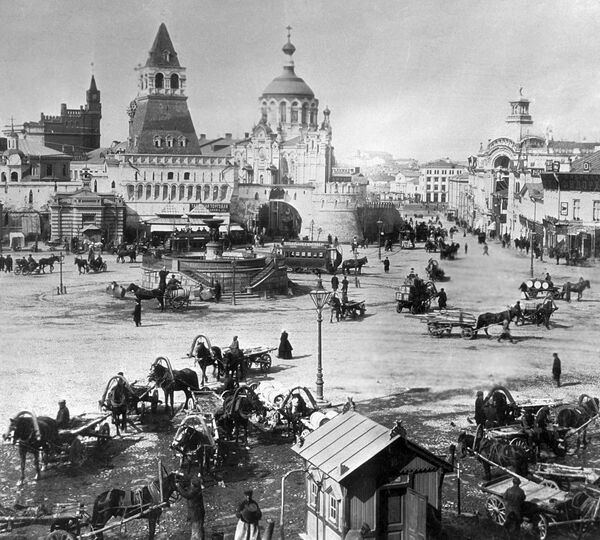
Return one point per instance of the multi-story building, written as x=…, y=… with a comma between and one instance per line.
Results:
x=434, y=178
x=73, y=131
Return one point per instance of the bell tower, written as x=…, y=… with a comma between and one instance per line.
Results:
x=519, y=119
x=159, y=118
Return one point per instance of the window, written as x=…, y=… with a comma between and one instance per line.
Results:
x=156, y=191
x=175, y=81
x=140, y=191
x=48, y=170
x=30, y=197
x=223, y=192
x=95, y=186
x=173, y=192
x=169, y=141
x=159, y=80
x=332, y=514
x=282, y=112
x=198, y=193
x=576, y=208
x=215, y=194
x=596, y=216
x=206, y=192
x=186, y=175
x=190, y=192
x=148, y=191
x=157, y=143
x=181, y=192
x=170, y=175
x=112, y=185
x=165, y=193
x=64, y=170
x=294, y=113
x=305, y=113
x=130, y=191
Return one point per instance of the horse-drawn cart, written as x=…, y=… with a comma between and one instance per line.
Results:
x=352, y=309
x=137, y=396
x=441, y=324
x=71, y=441
x=415, y=295
x=536, y=312
x=258, y=357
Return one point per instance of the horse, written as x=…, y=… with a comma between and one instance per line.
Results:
x=48, y=261
x=574, y=417
x=354, y=263
x=448, y=251
x=171, y=381
x=487, y=319
x=128, y=503
x=544, y=312
x=230, y=365
x=237, y=409
x=500, y=453
x=336, y=309
x=122, y=253
x=434, y=271
x=196, y=442
x=204, y=357
x=430, y=247
x=82, y=265
x=34, y=436
x=116, y=290
x=147, y=294
x=578, y=287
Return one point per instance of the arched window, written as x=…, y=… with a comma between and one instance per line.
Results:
x=3, y=177
x=282, y=112
x=206, y=192
x=183, y=141
x=223, y=192
x=159, y=80
x=156, y=191
x=215, y=193
x=113, y=185
x=169, y=141
x=175, y=81
x=165, y=192
x=170, y=175
x=181, y=192
x=173, y=192
x=256, y=196
x=198, y=193
x=295, y=196
x=14, y=176
x=304, y=113
x=30, y=198
x=148, y=191
x=140, y=191
x=95, y=186
x=157, y=143
x=130, y=191
x=190, y=192
x=313, y=116
x=294, y=118
x=322, y=203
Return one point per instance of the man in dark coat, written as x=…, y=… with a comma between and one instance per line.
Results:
x=285, y=347
x=217, y=291
x=480, y=418
x=248, y=514
x=442, y=299
x=556, y=369
x=162, y=278
x=335, y=283
x=386, y=265
x=191, y=489
x=63, y=417
x=8, y=264
x=345, y=285
x=514, y=499
x=137, y=312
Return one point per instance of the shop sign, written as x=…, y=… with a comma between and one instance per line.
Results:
x=564, y=209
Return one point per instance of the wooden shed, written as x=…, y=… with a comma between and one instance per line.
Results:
x=365, y=481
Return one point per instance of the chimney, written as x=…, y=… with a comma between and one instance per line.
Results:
x=202, y=136
x=228, y=136
x=246, y=135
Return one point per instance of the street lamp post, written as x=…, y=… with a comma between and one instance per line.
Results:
x=532, y=233
x=379, y=224
x=356, y=267
x=320, y=297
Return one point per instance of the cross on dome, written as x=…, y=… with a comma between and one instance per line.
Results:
x=289, y=48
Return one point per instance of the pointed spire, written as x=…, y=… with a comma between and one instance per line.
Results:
x=93, y=87
x=162, y=53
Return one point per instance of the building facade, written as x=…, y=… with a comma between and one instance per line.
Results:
x=434, y=179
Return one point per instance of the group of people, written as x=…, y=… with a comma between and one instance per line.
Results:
x=6, y=263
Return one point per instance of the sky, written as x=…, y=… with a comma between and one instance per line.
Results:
x=417, y=78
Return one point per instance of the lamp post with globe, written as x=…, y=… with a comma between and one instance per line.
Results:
x=379, y=225
x=320, y=297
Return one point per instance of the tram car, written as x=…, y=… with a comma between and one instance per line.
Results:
x=309, y=256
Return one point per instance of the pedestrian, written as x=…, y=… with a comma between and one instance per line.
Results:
x=442, y=299
x=345, y=285
x=162, y=278
x=335, y=283
x=137, y=312
x=466, y=248
x=191, y=489
x=63, y=417
x=386, y=265
x=1, y=262
x=217, y=291
x=248, y=514
x=8, y=264
x=480, y=417
x=91, y=255
x=556, y=369
x=285, y=347
x=514, y=499
x=506, y=332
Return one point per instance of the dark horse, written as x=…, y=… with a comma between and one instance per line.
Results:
x=498, y=452
x=147, y=294
x=122, y=253
x=171, y=381
x=48, y=261
x=336, y=309
x=126, y=504
x=352, y=263
x=569, y=287
x=487, y=319
x=574, y=417
x=238, y=406
x=82, y=265
x=34, y=436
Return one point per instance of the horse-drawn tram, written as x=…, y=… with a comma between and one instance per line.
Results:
x=309, y=256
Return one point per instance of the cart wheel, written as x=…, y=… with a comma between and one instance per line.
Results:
x=51, y=268
x=77, y=453
x=496, y=509
x=265, y=363
x=431, y=328
x=104, y=434
x=60, y=535
x=467, y=333
x=154, y=401
x=542, y=524
x=519, y=442
x=17, y=270
x=178, y=302
x=398, y=308
x=549, y=483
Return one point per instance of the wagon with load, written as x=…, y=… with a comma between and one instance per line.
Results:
x=415, y=295
x=442, y=323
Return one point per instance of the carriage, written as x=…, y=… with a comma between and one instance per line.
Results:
x=97, y=265
x=197, y=437
x=536, y=312
x=352, y=309
x=415, y=295
x=138, y=396
x=434, y=271
x=258, y=357
x=441, y=324
x=540, y=288
x=177, y=299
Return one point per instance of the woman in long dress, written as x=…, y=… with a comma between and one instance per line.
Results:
x=285, y=347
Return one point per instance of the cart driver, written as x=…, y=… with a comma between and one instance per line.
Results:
x=514, y=498
x=32, y=263
x=63, y=417
x=173, y=283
